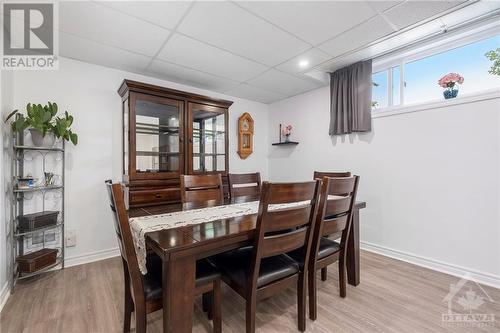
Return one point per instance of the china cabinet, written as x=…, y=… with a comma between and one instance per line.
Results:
x=167, y=133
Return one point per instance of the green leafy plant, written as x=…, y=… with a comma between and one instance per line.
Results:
x=62, y=128
x=494, y=55
x=43, y=118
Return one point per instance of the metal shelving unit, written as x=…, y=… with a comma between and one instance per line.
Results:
x=22, y=195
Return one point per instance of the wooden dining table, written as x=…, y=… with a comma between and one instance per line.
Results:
x=179, y=248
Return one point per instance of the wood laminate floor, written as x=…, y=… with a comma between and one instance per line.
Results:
x=393, y=297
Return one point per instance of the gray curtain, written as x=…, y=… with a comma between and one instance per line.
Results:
x=351, y=98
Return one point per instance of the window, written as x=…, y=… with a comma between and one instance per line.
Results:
x=379, y=92
x=396, y=85
x=417, y=82
x=386, y=88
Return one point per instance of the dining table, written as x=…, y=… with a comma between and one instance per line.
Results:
x=179, y=248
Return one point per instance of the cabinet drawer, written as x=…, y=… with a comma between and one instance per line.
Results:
x=148, y=197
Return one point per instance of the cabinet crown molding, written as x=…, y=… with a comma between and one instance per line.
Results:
x=130, y=85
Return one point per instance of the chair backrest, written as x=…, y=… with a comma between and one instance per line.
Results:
x=244, y=187
x=336, y=205
x=225, y=187
x=201, y=191
x=124, y=235
x=116, y=223
x=285, y=220
x=320, y=174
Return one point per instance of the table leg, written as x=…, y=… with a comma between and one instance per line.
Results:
x=178, y=294
x=353, y=251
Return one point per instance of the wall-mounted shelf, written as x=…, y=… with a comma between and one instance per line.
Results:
x=286, y=143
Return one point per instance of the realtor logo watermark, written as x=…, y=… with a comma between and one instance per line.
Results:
x=464, y=301
x=29, y=36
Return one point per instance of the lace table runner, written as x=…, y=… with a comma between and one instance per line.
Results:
x=142, y=225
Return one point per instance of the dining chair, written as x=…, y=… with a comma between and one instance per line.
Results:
x=263, y=270
x=336, y=203
x=244, y=187
x=334, y=174
x=143, y=293
x=201, y=191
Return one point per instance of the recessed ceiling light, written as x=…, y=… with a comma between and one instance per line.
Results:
x=303, y=63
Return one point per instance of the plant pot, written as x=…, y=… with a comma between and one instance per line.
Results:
x=42, y=141
x=450, y=93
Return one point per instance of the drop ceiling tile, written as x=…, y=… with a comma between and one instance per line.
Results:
x=363, y=34
x=107, y=26
x=312, y=21
x=179, y=74
x=412, y=12
x=88, y=51
x=255, y=94
x=313, y=57
x=283, y=83
x=192, y=53
x=382, y=6
x=163, y=13
x=232, y=28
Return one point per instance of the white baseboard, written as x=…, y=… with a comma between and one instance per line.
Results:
x=480, y=277
x=91, y=257
x=4, y=295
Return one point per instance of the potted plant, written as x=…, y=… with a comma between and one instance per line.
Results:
x=450, y=82
x=43, y=124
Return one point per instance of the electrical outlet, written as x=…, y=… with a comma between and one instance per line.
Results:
x=70, y=238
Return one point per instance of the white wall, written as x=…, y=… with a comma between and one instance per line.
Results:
x=430, y=178
x=89, y=92
x=6, y=107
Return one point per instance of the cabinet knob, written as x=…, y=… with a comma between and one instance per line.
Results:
x=157, y=195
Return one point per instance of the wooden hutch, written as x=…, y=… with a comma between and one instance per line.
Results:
x=167, y=133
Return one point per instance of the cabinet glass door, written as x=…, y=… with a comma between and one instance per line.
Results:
x=158, y=143
x=207, y=142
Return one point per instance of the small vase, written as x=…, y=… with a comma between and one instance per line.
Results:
x=287, y=138
x=450, y=93
x=42, y=141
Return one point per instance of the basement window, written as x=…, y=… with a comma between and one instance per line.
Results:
x=414, y=79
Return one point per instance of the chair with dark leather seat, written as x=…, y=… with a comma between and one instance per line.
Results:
x=332, y=174
x=337, y=199
x=143, y=293
x=263, y=270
